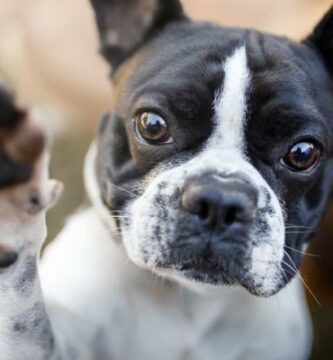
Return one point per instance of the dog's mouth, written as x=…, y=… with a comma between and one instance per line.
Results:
x=208, y=271
x=208, y=268
x=231, y=266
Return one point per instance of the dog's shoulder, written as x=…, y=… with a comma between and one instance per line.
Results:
x=75, y=264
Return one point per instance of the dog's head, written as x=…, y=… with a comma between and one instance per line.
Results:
x=216, y=157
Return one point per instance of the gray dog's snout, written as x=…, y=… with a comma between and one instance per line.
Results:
x=220, y=203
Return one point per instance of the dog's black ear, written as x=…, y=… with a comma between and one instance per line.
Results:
x=124, y=25
x=322, y=38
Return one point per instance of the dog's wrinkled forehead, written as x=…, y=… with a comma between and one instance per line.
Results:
x=163, y=60
x=181, y=76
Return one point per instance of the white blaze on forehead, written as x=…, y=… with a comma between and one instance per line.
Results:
x=230, y=103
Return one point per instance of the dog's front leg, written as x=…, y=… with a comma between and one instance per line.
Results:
x=31, y=328
x=25, y=194
x=25, y=331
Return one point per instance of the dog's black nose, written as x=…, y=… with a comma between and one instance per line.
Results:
x=221, y=202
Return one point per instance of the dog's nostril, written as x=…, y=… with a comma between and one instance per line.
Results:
x=196, y=203
x=204, y=210
x=212, y=214
x=232, y=215
x=7, y=258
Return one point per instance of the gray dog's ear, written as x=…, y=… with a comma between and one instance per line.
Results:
x=322, y=38
x=124, y=25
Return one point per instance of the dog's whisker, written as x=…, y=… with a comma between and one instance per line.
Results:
x=293, y=272
x=300, y=229
x=132, y=193
x=293, y=267
x=309, y=289
x=299, y=226
x=302, y=252
x=117, y=212
x=284, y=274
x=301, y=232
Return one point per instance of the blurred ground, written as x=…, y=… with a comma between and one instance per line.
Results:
x=48, y=53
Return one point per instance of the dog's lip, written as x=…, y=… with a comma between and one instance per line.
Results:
x=207, y=271
x=196, y=263
x=205, y=260
x=201, y=263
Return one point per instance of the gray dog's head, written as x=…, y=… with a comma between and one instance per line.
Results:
x=215, y=160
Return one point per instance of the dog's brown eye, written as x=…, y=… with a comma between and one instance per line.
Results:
x=153, y=128
x=302, y=156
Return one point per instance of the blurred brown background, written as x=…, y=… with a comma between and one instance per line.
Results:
x=48, y=53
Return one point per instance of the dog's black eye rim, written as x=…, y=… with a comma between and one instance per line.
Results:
x=152, y=128
x=303, y=156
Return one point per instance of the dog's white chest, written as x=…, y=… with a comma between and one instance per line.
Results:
x=164, y=328
x=141, y=317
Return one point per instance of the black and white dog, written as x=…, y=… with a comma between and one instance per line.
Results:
x=206, y=179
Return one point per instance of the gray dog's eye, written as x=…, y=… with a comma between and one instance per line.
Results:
x=153, y=128
x=302, y=156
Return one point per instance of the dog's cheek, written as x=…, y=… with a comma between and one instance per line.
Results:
x=268, y=241
x=119, y=180
x=131, y=235
x=145, y=232
x=155, y=219
x=305, y=215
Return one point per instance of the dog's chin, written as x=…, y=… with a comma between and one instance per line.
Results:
x=204, y=279
x=209, y=274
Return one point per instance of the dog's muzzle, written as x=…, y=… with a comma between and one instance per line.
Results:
x=221, y=211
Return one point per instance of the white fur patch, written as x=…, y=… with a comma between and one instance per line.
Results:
x=230, y=103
